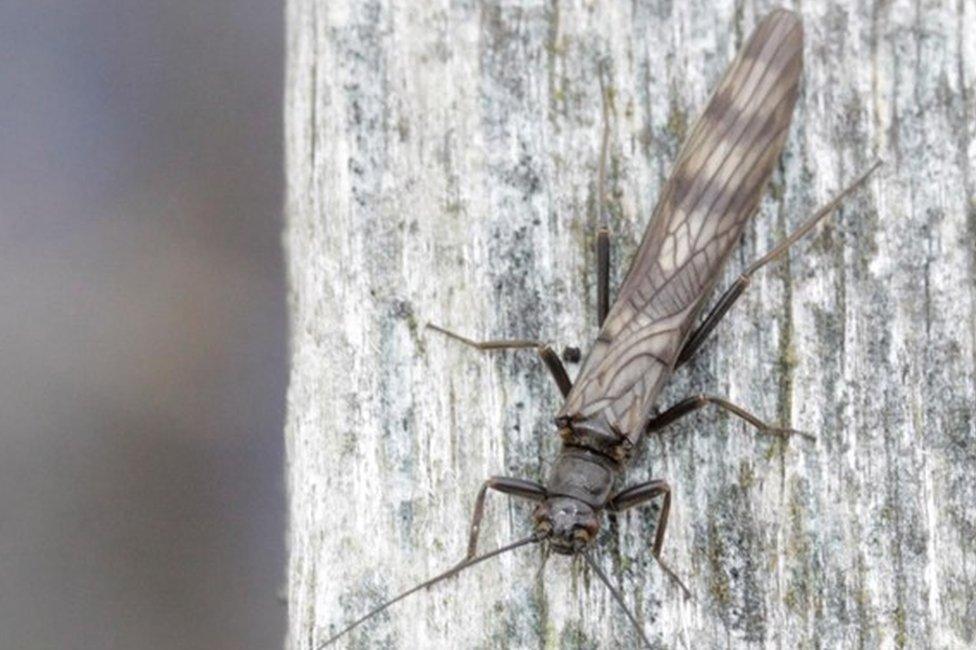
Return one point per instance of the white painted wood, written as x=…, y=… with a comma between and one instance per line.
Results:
x=441, y=166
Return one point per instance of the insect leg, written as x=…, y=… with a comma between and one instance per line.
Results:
x=602, y=274
x=691, y=404
x=515, y=486
x=549, y=356
x=641, y=493
x=701, y=333
x=603, y=234
x=732, y=293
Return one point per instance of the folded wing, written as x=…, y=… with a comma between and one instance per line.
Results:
x=714, y=187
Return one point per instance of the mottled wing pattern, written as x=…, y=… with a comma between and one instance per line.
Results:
x=714, y=187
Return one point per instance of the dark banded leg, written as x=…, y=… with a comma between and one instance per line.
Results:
x=549, y=356
x=691, y=404
x=515, y=486
x=732, y=293
x=602, y=275
x=641, y=493
x=603, y=234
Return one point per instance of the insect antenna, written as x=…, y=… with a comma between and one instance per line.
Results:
x=453, y=571
x=617, y=596
x=542, y=565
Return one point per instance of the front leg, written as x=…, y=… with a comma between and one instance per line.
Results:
x=641, y=493
x=516, y=487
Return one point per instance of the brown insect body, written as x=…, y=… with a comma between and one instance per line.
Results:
x=577, y=492
x=714, y=188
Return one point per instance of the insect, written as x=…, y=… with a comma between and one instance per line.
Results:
x=650, y=330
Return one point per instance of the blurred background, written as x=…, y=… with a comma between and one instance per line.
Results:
x=142, y=324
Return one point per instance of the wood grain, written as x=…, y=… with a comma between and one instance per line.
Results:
x=441, y=166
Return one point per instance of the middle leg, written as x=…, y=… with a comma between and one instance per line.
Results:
x=692, y=404
x=548, y=355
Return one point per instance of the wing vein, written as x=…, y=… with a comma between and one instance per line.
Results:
x=715, y=185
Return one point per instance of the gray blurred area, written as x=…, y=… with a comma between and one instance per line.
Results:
x=142, y=324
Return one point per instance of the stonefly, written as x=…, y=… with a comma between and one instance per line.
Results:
x=714, y=188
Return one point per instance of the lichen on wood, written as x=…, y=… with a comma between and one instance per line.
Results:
x=441, y=167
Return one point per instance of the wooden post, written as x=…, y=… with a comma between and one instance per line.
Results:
x=441, y=167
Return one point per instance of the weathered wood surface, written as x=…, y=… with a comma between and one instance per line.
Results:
x=441, y=166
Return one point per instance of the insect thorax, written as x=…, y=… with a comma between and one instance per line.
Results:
x=583, y=475
x=578, y=489
x=597, y=435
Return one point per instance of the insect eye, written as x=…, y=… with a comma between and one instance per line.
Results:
x=590, y=525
